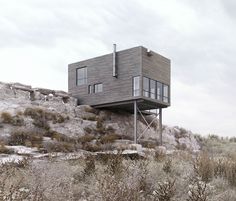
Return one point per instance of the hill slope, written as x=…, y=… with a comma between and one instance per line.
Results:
x=49, y=121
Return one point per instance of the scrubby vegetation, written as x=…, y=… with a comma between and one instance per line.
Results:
x=181, y=176
x=16, y=120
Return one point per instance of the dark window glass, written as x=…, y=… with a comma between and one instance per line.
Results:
x=146, y=88
x=136, y=86
x=153, y=89
x=159, y=91
x=98, y=88
x=90, y=89
x=165, y=93
x=81, y=75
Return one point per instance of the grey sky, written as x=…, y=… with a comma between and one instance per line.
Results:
x=38, y=38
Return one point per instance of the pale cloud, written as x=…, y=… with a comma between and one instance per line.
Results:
x=39, y=38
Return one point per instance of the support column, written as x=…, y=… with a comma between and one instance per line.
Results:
x=135, y=122
x=160, y=125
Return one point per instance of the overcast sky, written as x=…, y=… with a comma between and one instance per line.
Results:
x=38, y=38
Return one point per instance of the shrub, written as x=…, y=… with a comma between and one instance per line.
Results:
x=88, y=130
x=59, y=147
x=6, y=117
x=91, y=110
x=181, y=146
x=86, y=138
x=100, y=127
x=91, y=147
x=165, y=191
x=17, y=121
x=167, y=166
x=41, y=116
x=31, y=138
x=89, y=168
x=149, y=144
x=231, y=173
x=54, y=135
x=4, y=149
x=110, y=138
x=204, y=167
x=89, y=118
x=198, y=191
x=159, y=155
x=41, y=123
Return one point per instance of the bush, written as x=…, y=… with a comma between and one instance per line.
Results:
x=110, y=138
x=181, y=146
x=100, y=127
x=41, y=116
x=231, y=173
x=167, y=166
x=91, y=110
x=204, y=167
x=30, y=138
x=88, y=130
x=5, y=150
x=165, y=191
x=89, y=118
x=86, y=138
x=6, y=117
x=54, y=135
x=91, y=147
x=65, y=147
x=17, y=121
x=198, y=192
x=149, y=144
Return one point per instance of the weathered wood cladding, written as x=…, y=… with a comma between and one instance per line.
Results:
x=99, y=70
x=157, y=68
x=131, y=62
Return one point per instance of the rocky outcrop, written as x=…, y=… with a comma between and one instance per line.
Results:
x=15, y=98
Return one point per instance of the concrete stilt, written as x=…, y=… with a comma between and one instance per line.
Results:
x=135, y=122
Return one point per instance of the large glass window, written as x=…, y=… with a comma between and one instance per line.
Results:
x=136, y=86
x=153, y=89
x=165, y=93
x=159, y=91
x=146, y=88
x=98, y=88
x=81, y=76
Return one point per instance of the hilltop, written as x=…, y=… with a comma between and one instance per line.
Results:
x=50, y=121
x=52, y=149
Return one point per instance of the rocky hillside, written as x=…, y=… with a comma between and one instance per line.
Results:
x=44, y=120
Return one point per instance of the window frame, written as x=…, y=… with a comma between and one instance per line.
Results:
x=90, y=89
x=166, y=99
x=133, y=85
x=144, y=90
x=94, y=88
x=85, y=78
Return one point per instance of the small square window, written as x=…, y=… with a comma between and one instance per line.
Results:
x=98, y=88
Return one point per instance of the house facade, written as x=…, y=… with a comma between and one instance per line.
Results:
x=115, y=80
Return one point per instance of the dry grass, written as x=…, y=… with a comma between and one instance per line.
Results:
x=30, y=138
x=4, y=149
x=41, y=117
x=6, y=117
x=109, y=138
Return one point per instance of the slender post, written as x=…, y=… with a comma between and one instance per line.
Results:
x=135, y=122
x=160, y=124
